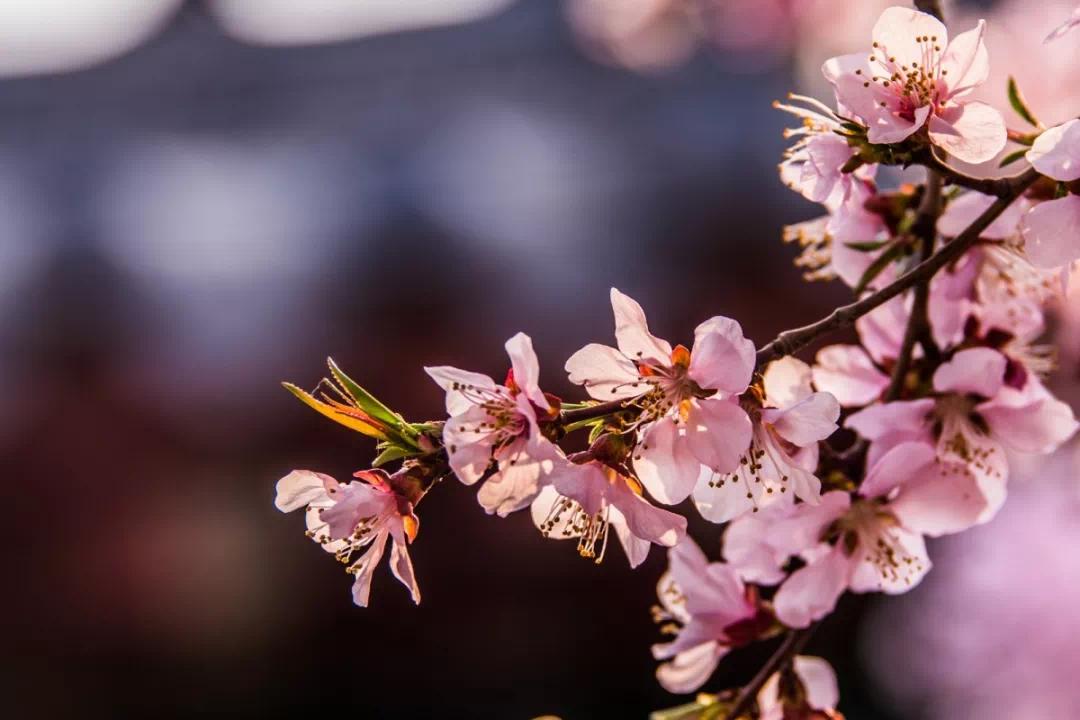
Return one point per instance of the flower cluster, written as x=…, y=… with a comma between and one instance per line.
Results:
x=951, y=278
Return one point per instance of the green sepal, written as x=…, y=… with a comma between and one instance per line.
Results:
x=1012, y=157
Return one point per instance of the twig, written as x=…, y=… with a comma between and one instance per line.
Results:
x=918, y=325
x=932, y=7
x=998, y=187
x=793, y=644
x=790, y=341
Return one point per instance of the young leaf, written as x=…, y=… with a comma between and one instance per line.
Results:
x=366, y=401
x=1012, y=157
x=351, y=418
x=867, y=246
x=391, y=453
x=1019, y=105
x=878, y=265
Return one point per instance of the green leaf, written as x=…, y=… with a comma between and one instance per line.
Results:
x=391, y=453
x=368, y=402
x=867, y=246
x=1016, y=99
x=879, y=265
x=1012, y=157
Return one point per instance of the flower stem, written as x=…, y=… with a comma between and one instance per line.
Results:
x=793, y=644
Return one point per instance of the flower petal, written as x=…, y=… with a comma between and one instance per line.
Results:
x=963, y=211
x=364, y=569
x=1051, y=232
x=902, y=464
x=849, y=374
x=1032, y=422
x=787, y=381
x=632, y=332
x=526, y=368
x=718, y=433
x=401, y=566
x=664, y=463
x=966, y=63
x=690, y=669
x=979, y=370
x=453, y=380
x=806, y=422
x=940, y=500
x=605, y=373
x=1056, y=152
x=811, y=592
x=972, y=132
x=895, y=31
x=722, y=359
x=302, y=487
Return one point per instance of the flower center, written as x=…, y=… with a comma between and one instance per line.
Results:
x=914, y=84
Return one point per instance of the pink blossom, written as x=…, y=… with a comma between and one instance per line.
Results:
x=1051, y=229
x=870, y=542
x=498, y=423
x=914, y=77
x=711, y=612
x=783, y=452
x=688, y=400
x=585, y=500
x=1073, y=21
x=975, y=415
x=343, y=518
x=819, y=685
x=849, y=374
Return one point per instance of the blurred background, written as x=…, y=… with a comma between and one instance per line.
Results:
x=201, y=199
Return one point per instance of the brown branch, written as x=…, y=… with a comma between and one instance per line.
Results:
x=918, y=325
x=590, y=412
x=793, y=644
x=998, y=187
x=791, y=341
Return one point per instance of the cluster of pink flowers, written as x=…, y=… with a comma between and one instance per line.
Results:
x=945, y=383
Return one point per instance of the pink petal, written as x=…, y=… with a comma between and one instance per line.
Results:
x=300, y=488
x=819, y=682
x=524, y=466
x=1052, y=232
x=900, y=465
x=811, y=592
x=910, y=553
x=467, y=445
x=401, y=566
x=972, y=132
x=646, y=521
x=664, y=463
x=966, y=64
x=882, y=330
x=605, y=372
x=1032, y=424
x=879, y=108
x=979, y=370
x=718, y=433
x=721, y=359
x=632, y=332
x=962, y=211
x=364, y=569
x=541, y=510
x=820, y=177
x=1056, y=152
x=690, y=669
x=806, y=422
x=896, y=30
x=526, y=368
x=787, y=381
x=451, y=378
x=849, y=374
x=636, y=549
x=1059, y=31
x=940, y=501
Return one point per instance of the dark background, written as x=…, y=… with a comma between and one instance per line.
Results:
x=187, y=225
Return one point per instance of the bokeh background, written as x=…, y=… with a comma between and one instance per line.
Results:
x=201, y=199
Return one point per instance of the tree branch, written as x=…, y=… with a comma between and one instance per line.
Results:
x=793, y=644
x=791, y=341
x=918, y=325
x=998, y=187
x=933, y=7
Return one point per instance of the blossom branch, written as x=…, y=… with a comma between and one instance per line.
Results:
x=791, y=341
x=918, y=326
x=793, y=644
x=998, y=187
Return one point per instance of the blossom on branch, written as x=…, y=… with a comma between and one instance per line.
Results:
x=586, y=500
x=710, y=611
x=1052, y=229
x=914, y=79
x=687, y=400
x=498, y=424
x=343, y=518
x=808, y=690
